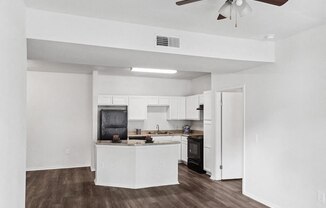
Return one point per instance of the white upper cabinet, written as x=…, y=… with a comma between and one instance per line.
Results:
x=158, y=101
x=177, y=109
x=152, y=100
x=208, y=105
x=137, y=108
x=104, y=100
x=112, y=100
x=201, y=99
x=173, y=109
x=192, y=103
x=164, y=101
x=181, y=108
x=120, y=100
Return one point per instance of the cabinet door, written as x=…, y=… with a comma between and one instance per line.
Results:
x=137, y=109
x=164, y=101
x=181, y=108
x=208, y=134
x=104, y=100
x=201, y=99
x=152, y=100
x=207, y=159
x=120, y=100
x=184, y=152
x=208, y=105
x=178, y=139
x=192, y=103
x=173, y=109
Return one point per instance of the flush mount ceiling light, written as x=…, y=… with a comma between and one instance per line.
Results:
x=150, y=70
x=270, y=37
x=235, y=7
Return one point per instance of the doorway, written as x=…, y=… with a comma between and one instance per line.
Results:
x=232, y=134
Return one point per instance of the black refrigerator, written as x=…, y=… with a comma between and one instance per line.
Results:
x=113, y=122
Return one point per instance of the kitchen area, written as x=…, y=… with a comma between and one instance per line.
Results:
x=145, y=137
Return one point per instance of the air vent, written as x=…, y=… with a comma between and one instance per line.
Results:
x=168, y=41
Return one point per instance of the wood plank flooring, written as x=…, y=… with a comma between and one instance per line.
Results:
x=74, y=188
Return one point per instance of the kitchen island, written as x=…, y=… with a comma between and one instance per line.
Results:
x=135, y=164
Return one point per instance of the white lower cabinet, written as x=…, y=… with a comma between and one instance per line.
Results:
x=184, y=149
x=178, y=139
x=207, y=159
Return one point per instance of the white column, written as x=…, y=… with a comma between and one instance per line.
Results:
x=94, y=110
x=12, y=103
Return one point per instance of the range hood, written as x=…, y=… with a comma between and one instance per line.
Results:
x=201, y=107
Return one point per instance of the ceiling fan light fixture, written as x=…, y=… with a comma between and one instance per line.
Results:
x=239, y=2
x=226, y=10
x=244, y=9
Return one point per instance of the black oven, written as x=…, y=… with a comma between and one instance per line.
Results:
x=196, y=153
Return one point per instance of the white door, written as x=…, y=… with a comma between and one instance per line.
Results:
x=232, y=135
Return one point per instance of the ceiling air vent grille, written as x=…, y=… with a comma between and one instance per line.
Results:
x=167, y=41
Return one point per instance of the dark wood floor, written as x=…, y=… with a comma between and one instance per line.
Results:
x=72, y=188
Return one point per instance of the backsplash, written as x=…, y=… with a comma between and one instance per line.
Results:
x=158, y=115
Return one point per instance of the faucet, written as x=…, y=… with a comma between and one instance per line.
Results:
x=158, y=128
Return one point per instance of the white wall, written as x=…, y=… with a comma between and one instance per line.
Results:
x=285, y=143
x=12, y=103
x=123, y=85
x=201, y=84
x=44, y=25
x=59, y=115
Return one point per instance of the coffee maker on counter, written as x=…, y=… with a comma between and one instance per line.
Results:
x=186, y=129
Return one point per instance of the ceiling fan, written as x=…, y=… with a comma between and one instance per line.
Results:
x=237, y=7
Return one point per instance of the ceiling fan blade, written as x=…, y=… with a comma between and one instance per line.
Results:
x=274, y=2
x=220, y=17
x=183, y=2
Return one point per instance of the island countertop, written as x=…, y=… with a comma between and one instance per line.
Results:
x=153, y=133
x=132, y=142
x=137, y=164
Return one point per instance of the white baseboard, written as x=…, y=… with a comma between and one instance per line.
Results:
x=56, y=167
x=263, y=201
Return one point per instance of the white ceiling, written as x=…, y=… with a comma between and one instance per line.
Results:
x=118, y=61
x=295, y=16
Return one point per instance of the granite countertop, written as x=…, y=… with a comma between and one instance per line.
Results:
x=135, y=143
x=169, y=133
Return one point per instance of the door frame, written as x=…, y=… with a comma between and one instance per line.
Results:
x=230, y=89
